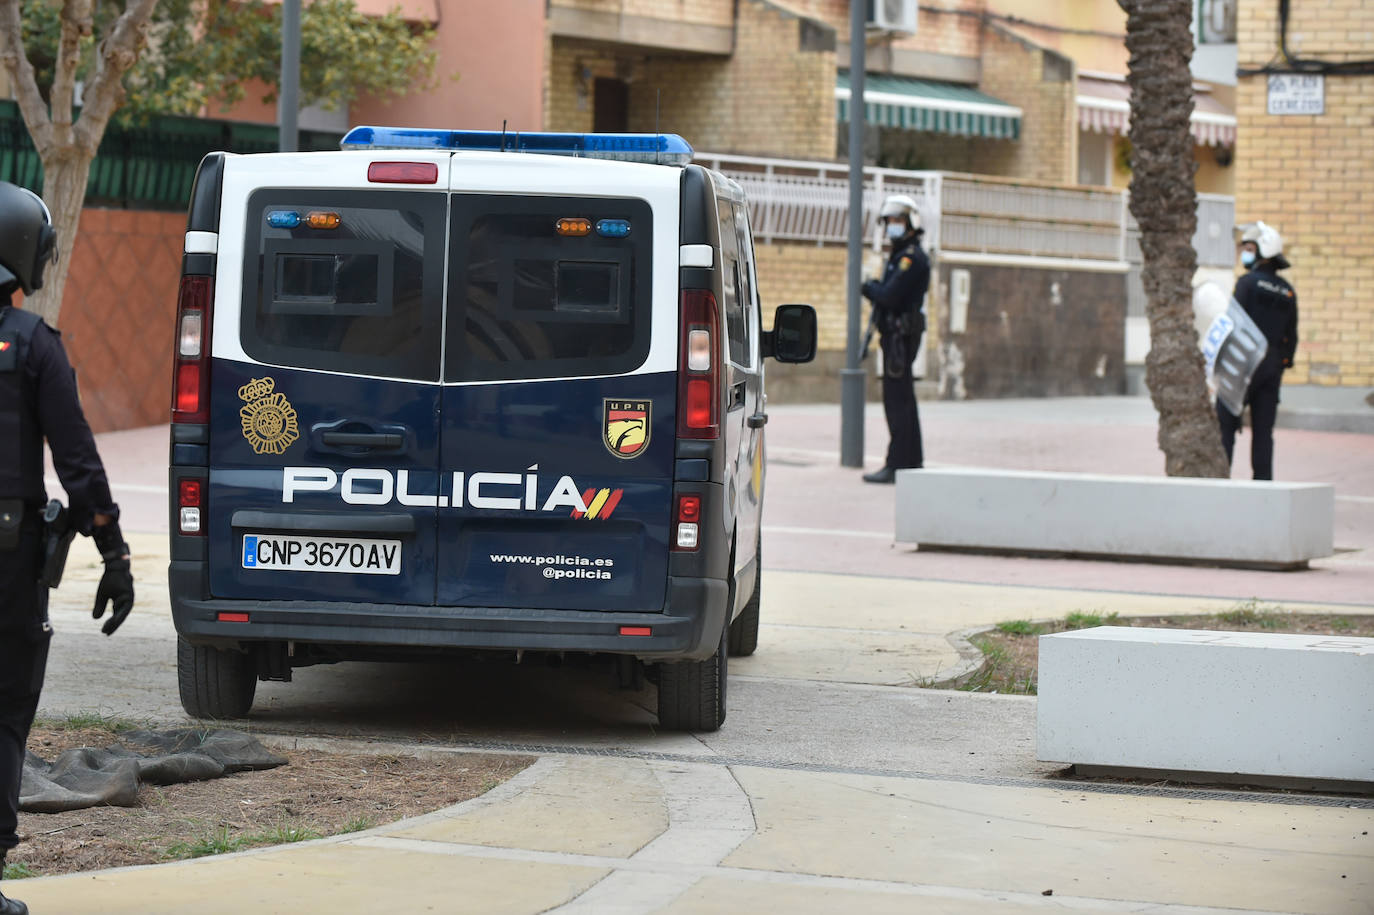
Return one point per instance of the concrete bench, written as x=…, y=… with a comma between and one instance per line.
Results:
x=1182, y=700
x=1277, y=525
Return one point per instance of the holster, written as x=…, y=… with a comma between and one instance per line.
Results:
x=57, y=540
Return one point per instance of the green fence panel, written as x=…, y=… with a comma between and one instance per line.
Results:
x=148, y=166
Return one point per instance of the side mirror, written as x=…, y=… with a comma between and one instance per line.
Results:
x=793, y=337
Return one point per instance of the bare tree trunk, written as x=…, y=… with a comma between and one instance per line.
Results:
x=66, y=147
x=1163, y=201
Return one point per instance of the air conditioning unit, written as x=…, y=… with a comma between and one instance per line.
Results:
x=892, y=16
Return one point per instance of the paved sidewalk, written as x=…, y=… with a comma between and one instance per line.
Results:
x=834, y=785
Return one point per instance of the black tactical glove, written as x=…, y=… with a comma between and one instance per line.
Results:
x=868, y=288
x=117, y=584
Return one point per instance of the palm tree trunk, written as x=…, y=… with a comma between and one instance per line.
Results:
x=1163, y=202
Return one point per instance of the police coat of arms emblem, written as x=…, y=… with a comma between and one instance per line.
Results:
x=269, y=420
x=625, y=426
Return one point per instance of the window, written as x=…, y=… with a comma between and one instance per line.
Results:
x=528, y=302
x=363, y=297
x=749, y=278
x=733, y=285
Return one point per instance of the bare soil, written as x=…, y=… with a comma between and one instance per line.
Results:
x=1011, y=650
x=316, y=794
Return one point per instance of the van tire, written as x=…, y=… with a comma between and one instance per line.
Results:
x=744, y=631
x=214, y=682
x=691, y=694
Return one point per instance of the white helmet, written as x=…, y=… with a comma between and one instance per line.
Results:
x=901, y=205
x=1266, y=238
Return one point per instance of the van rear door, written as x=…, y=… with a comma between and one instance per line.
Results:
x=324, y=480
x=558, y=432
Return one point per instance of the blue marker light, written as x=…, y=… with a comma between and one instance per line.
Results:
x=613, y=228
x=283, y=219
x=653, y=148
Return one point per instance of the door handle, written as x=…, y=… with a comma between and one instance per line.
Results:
x=757, y=421
x=375, y=441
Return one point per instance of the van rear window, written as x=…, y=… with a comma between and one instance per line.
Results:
x=530, y=300
x=345, y=281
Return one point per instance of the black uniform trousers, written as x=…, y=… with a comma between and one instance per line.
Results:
x=904, y=448
x=23, y=661
x=1263, y=399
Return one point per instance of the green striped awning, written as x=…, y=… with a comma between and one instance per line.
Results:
x=923, y=104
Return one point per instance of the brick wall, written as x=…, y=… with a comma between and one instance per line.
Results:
x=118, y=314
x=774, y=96
x=951, y=28
x=693, y=12
x=1312, y=178
x=1032, y=78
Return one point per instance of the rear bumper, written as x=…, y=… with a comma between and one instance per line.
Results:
x=688, y=629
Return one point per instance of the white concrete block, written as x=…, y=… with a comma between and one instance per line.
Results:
x=1267, y=704
x=1158, y=517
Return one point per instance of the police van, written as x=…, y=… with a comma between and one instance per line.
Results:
x=443, y=391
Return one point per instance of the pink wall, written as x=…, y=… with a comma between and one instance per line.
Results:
x=497, y=52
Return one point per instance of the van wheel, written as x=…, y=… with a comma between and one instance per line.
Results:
x=214, y=682
x=691, y=694
x=744, y=631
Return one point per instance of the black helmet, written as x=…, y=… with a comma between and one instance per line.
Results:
x=27, y=239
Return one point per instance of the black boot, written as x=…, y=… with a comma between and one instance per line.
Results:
x=10, y=906
x=885, y=475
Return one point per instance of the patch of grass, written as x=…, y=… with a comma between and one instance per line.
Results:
x=283, y=835
x=217, y=843
x=89, y=721
x=1078, y=620
x=1020, y=627
x=1254, y=613
x=1341, y=624
x=998, y=673
x=357, y=824
x=18, y=870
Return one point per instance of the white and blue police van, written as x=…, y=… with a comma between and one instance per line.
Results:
x=451, y=391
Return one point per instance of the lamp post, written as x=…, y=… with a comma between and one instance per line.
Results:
x=288, y=104
x=852, y=376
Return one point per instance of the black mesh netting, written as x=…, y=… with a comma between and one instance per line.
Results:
x=88, y=777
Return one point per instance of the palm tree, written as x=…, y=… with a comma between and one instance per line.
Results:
x=1163, y=202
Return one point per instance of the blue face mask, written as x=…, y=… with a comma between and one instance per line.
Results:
x=895, y=230
x=1247, y=258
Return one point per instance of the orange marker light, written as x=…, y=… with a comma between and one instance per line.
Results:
x=321, y=220
x=574, y=226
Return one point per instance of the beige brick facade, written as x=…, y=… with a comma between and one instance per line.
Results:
x=1312, y=178
x=774, y=96
x=1039, y=82
x=951, y=27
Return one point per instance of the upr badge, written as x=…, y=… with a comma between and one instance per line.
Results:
x=625, y=426
x=269, y=421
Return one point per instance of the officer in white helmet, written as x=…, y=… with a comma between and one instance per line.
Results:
x=1273, y=305
x=897, y=314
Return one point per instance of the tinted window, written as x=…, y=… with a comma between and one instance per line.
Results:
x=748, y=280
x=526, y=301
x=363, y=297
x=732, y=284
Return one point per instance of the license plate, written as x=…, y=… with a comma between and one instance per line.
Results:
x=283, y=553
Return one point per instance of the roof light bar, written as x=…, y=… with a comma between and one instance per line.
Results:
x=656, y=148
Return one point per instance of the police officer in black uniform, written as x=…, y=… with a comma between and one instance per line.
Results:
x=38, y=400
x=1273, y=305
x=897, y=314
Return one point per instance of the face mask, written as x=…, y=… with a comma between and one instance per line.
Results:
x=895, y=230
x=1247, y=258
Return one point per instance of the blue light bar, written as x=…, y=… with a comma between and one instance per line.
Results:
x=613, y=228
x=656, y=148
x=283, y=219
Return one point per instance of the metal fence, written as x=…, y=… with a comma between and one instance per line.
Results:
x=809, y=202
x=145, y=166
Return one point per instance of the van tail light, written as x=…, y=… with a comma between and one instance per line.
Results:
x=687, y=523
x=191, y=507
x=698, y=392
x=191, y=375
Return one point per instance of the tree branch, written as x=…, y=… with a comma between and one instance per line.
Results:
x=116, y=53
x=75, y=17
x=22, y=80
